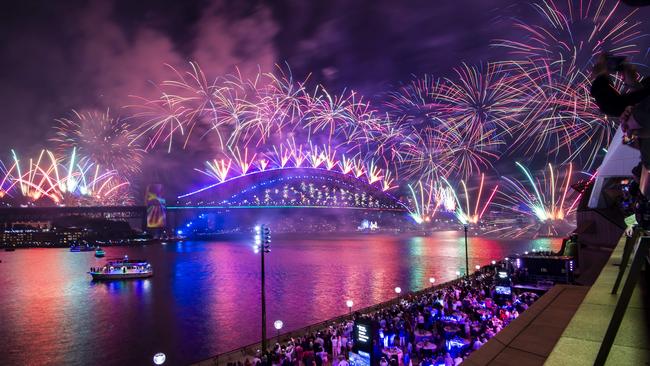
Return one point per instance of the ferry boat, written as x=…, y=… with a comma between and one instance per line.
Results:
x=81, y=248
x=122, y=269
x=99, y=252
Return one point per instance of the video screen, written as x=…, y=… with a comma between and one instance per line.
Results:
x=503, y=290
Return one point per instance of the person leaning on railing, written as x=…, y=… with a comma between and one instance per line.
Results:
x=632, y=108
x=610, y=101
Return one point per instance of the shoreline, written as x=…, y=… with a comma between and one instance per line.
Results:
x=249, y=351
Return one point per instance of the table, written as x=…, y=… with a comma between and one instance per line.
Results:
x=421, y=335
x=451, y=330
x=427, y=348
x=394, y=351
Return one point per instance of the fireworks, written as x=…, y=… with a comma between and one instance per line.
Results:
x=554, y=65
x=457, y=126
x=571, y=34
x=545, y=199
x=433, y=130
x=472, y=214
x=99, y=139
x=482, y=102
x=70, y=181
x=238, y=164
x=424, y=201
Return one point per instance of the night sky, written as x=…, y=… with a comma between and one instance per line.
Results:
x=93, y=55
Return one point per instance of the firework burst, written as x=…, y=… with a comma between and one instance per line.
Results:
x=467, y=213
x=553, y=66
x=545, y=198
x=100, y=139
x=482, y=101
x=63, y=181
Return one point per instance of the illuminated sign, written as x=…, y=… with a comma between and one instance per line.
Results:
x=363, y=335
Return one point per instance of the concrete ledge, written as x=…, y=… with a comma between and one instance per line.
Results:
x=581, y=340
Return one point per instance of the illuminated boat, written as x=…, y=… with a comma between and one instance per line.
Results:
x=122, y=269
x=99, y=252
x=81, y=248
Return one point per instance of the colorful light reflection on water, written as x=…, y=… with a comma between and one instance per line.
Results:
x=204, y=296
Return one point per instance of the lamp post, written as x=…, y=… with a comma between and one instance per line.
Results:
x=466, y=256
x=398, y=290
x=263, y=246
x=278, y=325
x=349, y=303
x=432, y=280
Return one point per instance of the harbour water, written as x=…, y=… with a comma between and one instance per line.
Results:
x=204, y=296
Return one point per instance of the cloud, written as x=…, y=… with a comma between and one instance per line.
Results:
x=224, y=42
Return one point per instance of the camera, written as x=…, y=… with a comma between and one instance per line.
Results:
x=642, y=213
x=615, y=63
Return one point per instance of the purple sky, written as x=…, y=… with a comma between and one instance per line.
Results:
x=55, y=56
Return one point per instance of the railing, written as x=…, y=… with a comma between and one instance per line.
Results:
x=639, y=259
x=251, y=349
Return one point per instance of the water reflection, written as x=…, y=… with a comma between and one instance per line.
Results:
x=204, y=296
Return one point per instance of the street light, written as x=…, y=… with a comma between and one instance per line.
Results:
x=263, y=246
x=466, y=255
x=494, y=262
x=432, y=280
x=477, y=267
x=349, y=303
x=159, y=358
x=398, y=290
x=278, y=325
x=457, y=273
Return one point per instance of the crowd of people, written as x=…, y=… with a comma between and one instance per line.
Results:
x=438, y=327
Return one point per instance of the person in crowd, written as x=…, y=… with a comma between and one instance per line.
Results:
x=343, y=361
x=463, y=311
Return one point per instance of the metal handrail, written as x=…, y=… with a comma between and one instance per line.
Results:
x=639, y=259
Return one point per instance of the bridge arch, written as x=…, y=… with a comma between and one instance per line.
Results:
x=294, y=187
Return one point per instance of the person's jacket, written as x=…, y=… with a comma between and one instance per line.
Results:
x=613, y=103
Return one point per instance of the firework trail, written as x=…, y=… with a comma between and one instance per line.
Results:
x=545, y=198
x=63, y=181
x=467, y=213
x=455, y=127
x=100, y=139
x=554, y=63
x=482, y=101
x=571, y=34
x=418, y=103
x=423, y=207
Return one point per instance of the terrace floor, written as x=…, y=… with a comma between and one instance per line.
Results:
x=567, y=326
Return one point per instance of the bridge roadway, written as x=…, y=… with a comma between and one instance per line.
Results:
x=14, y=214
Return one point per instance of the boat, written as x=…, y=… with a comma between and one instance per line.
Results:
x=81, y=248
x=99, y=252
x=122, y=269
